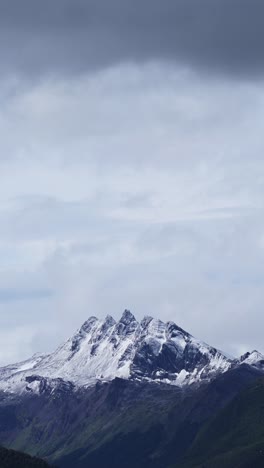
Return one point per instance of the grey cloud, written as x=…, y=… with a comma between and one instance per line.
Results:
x=81, y=35
x=139, y=186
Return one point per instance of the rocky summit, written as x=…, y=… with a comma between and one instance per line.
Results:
x=149, y=350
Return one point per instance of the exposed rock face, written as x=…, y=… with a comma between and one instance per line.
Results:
x=150, y=350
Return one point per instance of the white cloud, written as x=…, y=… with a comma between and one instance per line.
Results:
x=138, y=188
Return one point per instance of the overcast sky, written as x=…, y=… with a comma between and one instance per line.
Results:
x=132, y=170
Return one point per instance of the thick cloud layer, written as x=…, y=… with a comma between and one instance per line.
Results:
x=131, y=168
x=224, y=36
x=133, y=187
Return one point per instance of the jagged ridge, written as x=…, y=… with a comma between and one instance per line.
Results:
x=103, y=350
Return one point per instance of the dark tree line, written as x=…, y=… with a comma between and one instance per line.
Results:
x=13, y=459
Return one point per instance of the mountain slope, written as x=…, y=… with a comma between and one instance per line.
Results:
x=145, y=439
x=116, y=424
x=103, y=350
x=234, y=438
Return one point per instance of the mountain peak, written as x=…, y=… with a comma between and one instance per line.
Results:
x=89, y=323
x=109, y=320
x=127, y=317
x=146, y=321
x=151, y=350
x=252, y=358
x=108, y=323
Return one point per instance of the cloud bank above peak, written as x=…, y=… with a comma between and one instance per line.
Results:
x=131, y=168
x=66, y=37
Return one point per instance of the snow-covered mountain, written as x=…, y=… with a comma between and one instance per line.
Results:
x=255, y=359
x=103, y=350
